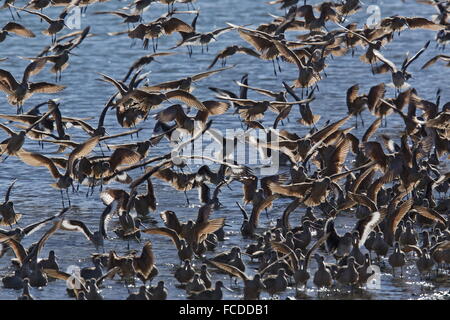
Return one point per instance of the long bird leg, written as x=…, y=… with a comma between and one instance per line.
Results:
x=101, y=149
x=4, y=159
x=10, y=11
x=87, y=192
x=278, y=62
x=274, y=69
x=187, y=199
x=92, y=187
x=62, y=197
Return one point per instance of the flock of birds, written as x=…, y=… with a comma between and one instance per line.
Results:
x=394, y=189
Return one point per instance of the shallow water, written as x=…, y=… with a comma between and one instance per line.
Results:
x=84, y=97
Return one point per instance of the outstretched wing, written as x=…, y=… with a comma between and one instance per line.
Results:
x=165, y=232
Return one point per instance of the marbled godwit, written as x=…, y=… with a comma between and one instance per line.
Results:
x=356, y=103
x=251, y=110
x=185, y=84
x=38, y=4
x=20, y=92
x=63, y=181
x=252, y=286
x=439, y=57
x=195, y=285
x=203, y=39
x=26, y=291
x=185, y=273
x=348, y=275
x=13, y=145
x=191, y=124
x=75, y=38
x=92, y=291
x=55, y=25
x=13, y=27
x=185, y=251
x=94, y=272
x=380, y=246
x=398, y=23
x=142, y=294
x=397, y=259
x=229, y=51
x=209, y=294
x=79, y=284
x=96, y=237
x=145, y=264
x=127, y=17
x=141, y=5
x=322, y=277
x=158, y=292
x=50, y=262
x=9, y=216
x=399, y=77
x=144, y=60
x=14, y=281
x=154, y=30
x=60, y=60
